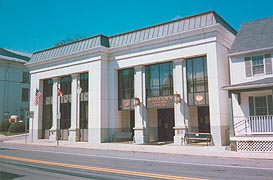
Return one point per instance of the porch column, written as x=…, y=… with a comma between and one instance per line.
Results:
x=74, y=128
x=179, y=104
x=140, y=129
x=231, y=123
x=55, y=109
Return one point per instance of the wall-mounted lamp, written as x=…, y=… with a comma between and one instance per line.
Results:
x=177, y=98
x=136, y=101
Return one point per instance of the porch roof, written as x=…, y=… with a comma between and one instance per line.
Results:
x=261, y=83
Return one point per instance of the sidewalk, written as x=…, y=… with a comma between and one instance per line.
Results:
x=193, y=150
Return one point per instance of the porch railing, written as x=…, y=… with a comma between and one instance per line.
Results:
x=253, y=125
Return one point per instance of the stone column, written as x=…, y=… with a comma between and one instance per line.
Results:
x=74, y=128
x=55, y=110
x=140, y=129
x=179, y=109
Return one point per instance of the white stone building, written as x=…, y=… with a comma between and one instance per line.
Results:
x=250, y=92
x=14, y=83
x=157, y=83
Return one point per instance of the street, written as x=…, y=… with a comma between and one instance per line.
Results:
x=36, y=162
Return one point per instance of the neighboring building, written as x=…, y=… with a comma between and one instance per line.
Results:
x=157, y=82
x=250, y=92
x=14, y=83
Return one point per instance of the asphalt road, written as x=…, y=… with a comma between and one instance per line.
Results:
x=35, y=162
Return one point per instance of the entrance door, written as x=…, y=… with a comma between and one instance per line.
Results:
x=203, y=119
x=165, y=124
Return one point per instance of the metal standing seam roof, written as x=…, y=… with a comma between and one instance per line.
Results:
x=152, y=32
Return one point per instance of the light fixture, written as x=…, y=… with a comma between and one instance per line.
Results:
x=136, y=101
x=177, y=98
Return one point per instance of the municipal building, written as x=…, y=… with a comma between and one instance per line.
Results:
x=155, y=83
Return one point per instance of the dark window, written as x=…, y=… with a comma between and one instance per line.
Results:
x=47, y=103
x=84, y=101
x=125, y=85
x=65, y=106
x=197, y=81
x=159, y=79
x=25, y=77
x=25, y=93
x=260, y=105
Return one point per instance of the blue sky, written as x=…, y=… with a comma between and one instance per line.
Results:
x=33, y=25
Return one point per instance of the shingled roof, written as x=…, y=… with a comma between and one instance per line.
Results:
x=253, y=36
x=11, y=55
x=161, y=30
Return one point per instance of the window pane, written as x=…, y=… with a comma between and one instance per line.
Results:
x=258, y=69
x=154, y=75
x=257, y=64
x=257, y=60
x=260, y=105
x=159, y=80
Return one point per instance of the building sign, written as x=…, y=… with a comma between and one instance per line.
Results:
x=160, y=102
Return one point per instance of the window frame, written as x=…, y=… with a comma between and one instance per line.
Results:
x=257, y=65
x=159, y=86
x=253, y=106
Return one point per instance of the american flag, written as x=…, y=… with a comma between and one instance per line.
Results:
x=38, y=94
x=60, y=93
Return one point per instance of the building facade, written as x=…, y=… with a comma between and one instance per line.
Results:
x=14, y=84
x=250, y=92
x=157, y=83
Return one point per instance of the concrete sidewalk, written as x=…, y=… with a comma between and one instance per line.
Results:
x=193, y=150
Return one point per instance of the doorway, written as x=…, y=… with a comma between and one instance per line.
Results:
x=203, y=119
x=165, y=124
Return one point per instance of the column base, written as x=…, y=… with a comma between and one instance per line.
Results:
x=139, y=137
x=73, y=135
x=179, y=136
x=52, y=135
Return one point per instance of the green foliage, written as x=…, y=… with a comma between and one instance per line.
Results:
x=4, y=126
x=17, y=127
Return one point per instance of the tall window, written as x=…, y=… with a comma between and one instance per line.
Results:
x=260, y=105
x=65, y=106
x=84, y=101
x=25, y=92
x=125, y=88
x=197, y=81
x=47, y=103
x=159, y=79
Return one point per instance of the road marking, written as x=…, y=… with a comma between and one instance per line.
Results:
x=147, y=160
x=93, y=168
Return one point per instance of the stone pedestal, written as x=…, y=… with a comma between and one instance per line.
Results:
x=179, y=135
x=139, y=136
x=73, y=135
x=52, y=135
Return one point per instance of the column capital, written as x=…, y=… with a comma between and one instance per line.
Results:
x=55, y=79
x=75, y=75
x=138, y=68
x=178, y=61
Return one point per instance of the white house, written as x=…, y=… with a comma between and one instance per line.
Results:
x=14, y=83
x=250, y=92
x=157, y=83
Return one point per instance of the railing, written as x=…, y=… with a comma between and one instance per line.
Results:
x=253, y=125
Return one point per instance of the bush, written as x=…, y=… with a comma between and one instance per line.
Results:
x=4, y=125
x=17, y=127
